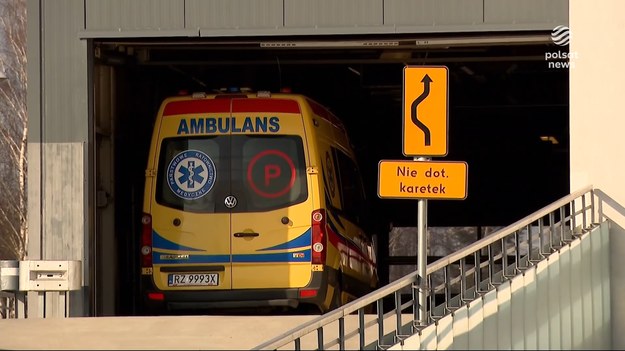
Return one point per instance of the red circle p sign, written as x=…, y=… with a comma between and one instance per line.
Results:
x=271, y=173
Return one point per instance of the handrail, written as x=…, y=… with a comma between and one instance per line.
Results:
x=503, y=232
x=469, y=282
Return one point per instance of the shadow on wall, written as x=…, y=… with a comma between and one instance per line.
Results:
x=617, y=265
x=613, y=204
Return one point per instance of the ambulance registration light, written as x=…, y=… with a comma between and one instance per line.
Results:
x=199, y=95
x=263, y=94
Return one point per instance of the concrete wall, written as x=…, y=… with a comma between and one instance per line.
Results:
x=58, y=132
x=597, y=124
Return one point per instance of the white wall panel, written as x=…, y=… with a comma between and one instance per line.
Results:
x=517, y=307
x=553, y=297
x=445, y=333
x=34, y=107
x=577, y=326
x=124, y=15
x=491, y=327
x=476, y=324
x=461, y=328
x=605, y=286
x=565, y=298
x=616, y=284
x=432, y=12
x=504, y=316
x=64, y=80
x=586, y=269
x=64, y=191
x=526, y=11
x=332, y=13
x=599, y=277
x=429, y=337
x=412, y=343
x=234, y=14
x=542, y=306
x=59, y=180
x=529, y=312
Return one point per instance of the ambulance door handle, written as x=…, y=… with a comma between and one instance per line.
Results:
x=245, y=235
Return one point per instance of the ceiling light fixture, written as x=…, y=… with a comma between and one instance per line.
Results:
x=353, y=70
x=549, y=138
x=467, y=70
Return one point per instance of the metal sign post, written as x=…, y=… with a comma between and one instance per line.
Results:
x=425, y=134
x=425, y=114
x=422, y=248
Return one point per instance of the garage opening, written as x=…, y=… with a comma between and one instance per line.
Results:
x=508, y=119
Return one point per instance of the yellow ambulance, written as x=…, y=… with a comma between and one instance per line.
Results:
x=252, y=200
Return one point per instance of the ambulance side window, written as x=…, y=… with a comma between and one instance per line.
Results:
x=351, y=187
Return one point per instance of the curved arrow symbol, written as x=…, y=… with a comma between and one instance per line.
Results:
x=413, y=108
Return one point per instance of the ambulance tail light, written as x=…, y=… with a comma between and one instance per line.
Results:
x=319, y=236
x=146, y=241
x=156, y=296
x=307, y=293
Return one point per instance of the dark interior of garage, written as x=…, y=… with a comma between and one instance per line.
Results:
x=508, y=116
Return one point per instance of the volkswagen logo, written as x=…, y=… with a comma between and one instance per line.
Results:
x=230, y=201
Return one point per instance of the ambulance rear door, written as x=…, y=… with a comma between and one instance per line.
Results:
x=191, y=223
x=271, y=195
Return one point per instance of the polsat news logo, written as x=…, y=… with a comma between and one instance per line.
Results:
x=560, y=35
x=562, y=59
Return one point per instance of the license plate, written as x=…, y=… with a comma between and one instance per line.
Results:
x=193, y=279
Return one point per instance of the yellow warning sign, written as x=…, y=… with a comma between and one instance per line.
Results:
x=425, y=111
x=406, y=179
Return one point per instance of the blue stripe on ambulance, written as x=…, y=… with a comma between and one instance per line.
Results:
x=281, y=257
x=301, y=241
x=156, y=258
x=161, y=243
x=297, y=256
x=294, y=256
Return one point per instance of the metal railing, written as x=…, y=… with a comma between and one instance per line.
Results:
x=7, y=305
x=452, y=281
x=12, y=305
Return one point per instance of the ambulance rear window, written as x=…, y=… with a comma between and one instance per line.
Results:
x=270, y=170
x=262, y=172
